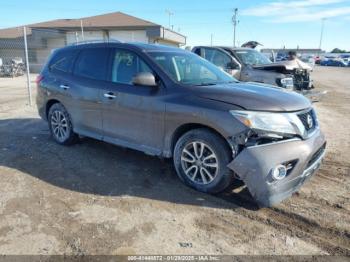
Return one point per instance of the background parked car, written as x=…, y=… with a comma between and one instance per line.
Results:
x=317, y=60
x=346, y=58
x=281, y=56
x=333, y=62
x=249, y=65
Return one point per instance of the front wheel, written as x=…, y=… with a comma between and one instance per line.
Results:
x=201, y=158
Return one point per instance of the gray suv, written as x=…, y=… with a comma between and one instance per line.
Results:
x=169, y=102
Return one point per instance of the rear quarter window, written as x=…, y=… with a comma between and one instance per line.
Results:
x=63, y=61
x=92, y=63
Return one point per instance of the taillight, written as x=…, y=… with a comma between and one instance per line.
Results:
x=38, y=79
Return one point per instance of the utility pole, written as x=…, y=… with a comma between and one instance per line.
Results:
x=29, y=87
x=211, y=39
x=321, y=36
x=169, y=14
x=235, y=21
x=82, y=29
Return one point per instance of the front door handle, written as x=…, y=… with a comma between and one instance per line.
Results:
x=109, y=95
x=65, y=87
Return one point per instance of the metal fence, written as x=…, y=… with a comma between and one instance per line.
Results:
x=24, y=51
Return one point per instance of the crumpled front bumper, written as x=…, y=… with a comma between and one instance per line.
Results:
x=254, y=164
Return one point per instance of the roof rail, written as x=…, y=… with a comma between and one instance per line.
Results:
x=96, y=41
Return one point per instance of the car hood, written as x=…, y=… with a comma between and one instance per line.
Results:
x=284, y=65
x=255, y=96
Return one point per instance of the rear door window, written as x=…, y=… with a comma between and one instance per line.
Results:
x=92, y=63
x=63, y=61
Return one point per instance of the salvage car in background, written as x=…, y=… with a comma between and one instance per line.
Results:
x=14, y=67
x=249, y=65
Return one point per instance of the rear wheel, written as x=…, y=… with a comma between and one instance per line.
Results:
x=60, y=125
x=201, y=158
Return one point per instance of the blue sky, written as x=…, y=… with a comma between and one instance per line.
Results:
x=274, y=23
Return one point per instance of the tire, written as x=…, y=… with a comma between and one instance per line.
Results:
x=221, y=176
x=60, y=125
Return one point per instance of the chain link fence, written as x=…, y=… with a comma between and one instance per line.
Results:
x=24, y=51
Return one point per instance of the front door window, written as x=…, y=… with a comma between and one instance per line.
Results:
x=126, y=65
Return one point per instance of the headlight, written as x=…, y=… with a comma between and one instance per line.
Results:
x=287, y=82
x=280, y=123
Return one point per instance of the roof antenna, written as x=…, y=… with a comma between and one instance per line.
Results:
x=169, y=14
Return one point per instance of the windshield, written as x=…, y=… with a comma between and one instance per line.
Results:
x=252, y=57
x=190, y=69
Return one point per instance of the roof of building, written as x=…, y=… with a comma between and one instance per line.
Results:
x=110, y=20
x=13, y=32
x=116, y=19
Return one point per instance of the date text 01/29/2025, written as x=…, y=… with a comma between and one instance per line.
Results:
x=174, y=258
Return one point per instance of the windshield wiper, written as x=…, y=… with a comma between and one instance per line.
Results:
x=206, y=84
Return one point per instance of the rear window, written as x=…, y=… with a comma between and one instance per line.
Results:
x=63, y=60
x=92, y=63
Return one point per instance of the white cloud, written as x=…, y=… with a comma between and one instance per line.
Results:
x=299, y=11
x=313, y=16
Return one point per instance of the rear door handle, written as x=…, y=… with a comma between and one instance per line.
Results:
x=65, y=87
x=109, y=95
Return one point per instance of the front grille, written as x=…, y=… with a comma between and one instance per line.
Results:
x=315, y=156
x=309, y=120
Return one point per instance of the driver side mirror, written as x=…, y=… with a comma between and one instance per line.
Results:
x=144, y=79
x=232, y=65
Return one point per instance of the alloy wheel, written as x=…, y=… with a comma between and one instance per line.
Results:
x=59, y=126
x=199, y=162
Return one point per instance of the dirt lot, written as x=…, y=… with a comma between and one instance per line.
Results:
x=95, y=198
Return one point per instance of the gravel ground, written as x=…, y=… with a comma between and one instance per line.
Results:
x=95, y=198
